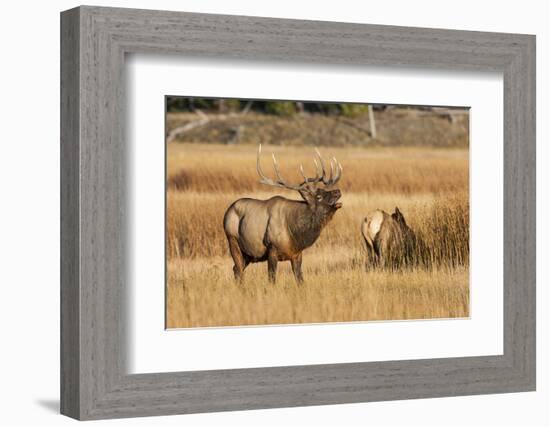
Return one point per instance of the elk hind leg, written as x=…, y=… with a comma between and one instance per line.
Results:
x=380, y=254
x=238, y=258
x=372, y=257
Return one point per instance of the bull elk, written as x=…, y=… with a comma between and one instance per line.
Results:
x=389, y=240
x=279, y=229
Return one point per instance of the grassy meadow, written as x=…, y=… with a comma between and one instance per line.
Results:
x=429, y=185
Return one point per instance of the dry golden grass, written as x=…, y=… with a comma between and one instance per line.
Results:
x=220, y=168
x=430, y=186
x=202, y=292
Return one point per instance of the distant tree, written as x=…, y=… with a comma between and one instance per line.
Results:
x=328, y=108
x=354, y=110
x=177, y=104
x=234, y=105
x=281, y=108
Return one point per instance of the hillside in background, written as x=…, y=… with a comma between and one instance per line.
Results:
x=394, y=126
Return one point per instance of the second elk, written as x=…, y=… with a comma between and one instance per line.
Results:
x=389, y=241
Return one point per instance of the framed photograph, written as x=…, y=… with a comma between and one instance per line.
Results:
x=261, y=213
x=398, y=251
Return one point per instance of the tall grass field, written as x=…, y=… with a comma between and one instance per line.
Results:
x=429, y=185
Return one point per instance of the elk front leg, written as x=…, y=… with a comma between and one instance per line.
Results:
x=272, y=259
x=296, y=263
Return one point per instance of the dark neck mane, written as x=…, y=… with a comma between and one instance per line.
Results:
x=305, y=225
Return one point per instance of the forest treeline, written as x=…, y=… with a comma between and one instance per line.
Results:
x=277, y=108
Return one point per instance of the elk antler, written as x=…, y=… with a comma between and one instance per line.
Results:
x=280, y=182
x=320, y=174
x=335, y=170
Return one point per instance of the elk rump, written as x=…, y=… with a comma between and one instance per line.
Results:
x=389, y=241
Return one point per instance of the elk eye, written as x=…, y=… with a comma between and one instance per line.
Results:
x=319, y=197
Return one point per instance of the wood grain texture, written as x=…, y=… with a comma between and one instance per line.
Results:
x=70, y=258
x=95, y=274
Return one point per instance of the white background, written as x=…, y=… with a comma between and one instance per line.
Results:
x=29, y=220
x=153, y=349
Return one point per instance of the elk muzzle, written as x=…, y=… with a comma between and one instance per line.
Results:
x=334, y=197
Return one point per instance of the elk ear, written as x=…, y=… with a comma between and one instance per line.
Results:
x=398, y=216
x=308, y=196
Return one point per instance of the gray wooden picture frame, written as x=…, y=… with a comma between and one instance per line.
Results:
x=94, y=381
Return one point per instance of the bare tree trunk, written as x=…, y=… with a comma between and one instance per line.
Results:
x=246, y=108
x=180, y=130
x=372, y=123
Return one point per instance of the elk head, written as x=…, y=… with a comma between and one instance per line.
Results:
x=314, y=190
x=398, y=216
